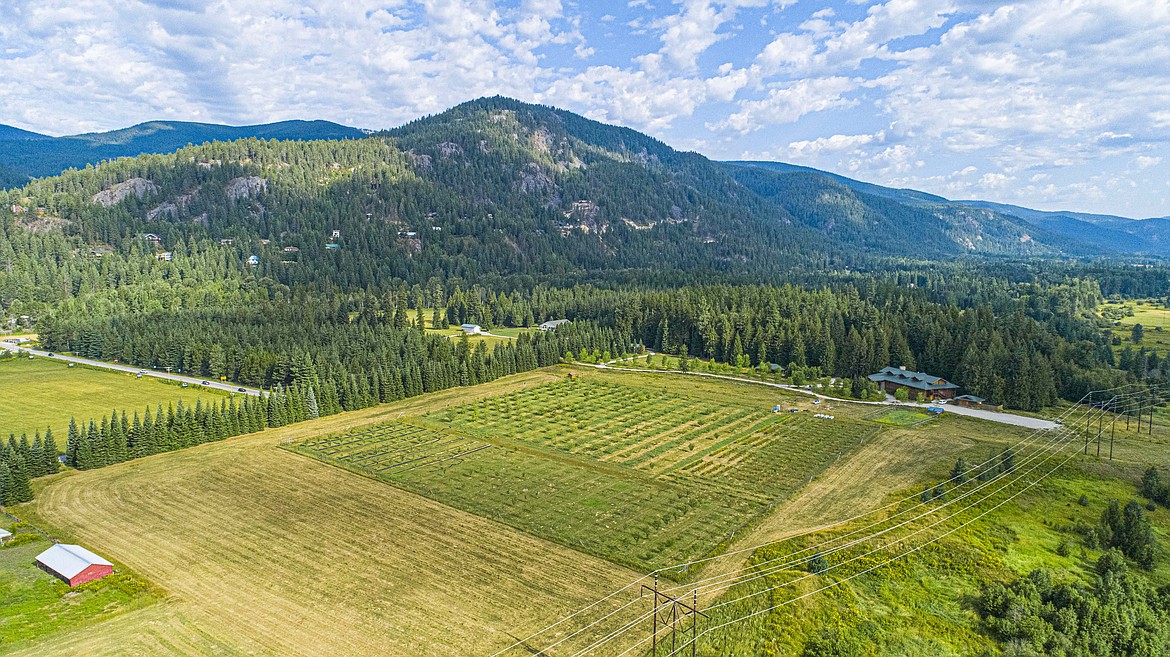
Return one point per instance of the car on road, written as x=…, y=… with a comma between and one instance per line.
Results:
x=205, y=383
x=50, y=354
x=241, y=390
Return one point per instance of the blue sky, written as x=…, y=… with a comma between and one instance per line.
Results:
x=1054, y=104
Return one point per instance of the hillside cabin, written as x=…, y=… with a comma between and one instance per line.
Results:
x=336, y=234
x=165, y=256
x=253, y=260
x=552, y=324
x=74, y=564
x=227, y=241
x=933, y=387
x=4, y=535
x=291, y=249
x=471, y=329
x=332, y=246
x=151, y=237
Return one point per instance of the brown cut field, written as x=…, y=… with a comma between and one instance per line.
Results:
x=266, y=552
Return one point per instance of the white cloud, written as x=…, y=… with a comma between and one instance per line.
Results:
x=1145, y=161
x=835, y=143
x=789, y=103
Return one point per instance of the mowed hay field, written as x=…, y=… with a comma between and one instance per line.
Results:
x=646, y=471
x=263, y=551
x=42, y=393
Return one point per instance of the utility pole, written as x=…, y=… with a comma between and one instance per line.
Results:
x=673, y=613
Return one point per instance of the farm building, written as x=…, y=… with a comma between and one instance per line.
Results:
x=971, y=401
x=934, y=387
x=471, y=329
x=74, y=564
x=552, y=324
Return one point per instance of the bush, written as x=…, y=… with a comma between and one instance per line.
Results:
x=1083, y=500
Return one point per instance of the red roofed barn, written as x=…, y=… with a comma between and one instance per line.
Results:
x=74, y=564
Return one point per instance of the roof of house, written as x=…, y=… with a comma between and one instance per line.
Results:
x=469, y=326
x=4, y=533
x=919, y=380
x=970, y=398
x=553, y=323
x=69, y=560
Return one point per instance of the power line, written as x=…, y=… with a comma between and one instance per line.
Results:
x=730, y=580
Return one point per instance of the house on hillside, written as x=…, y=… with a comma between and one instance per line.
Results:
x=291, y=249
x=165, y=256
x=74, y=564
x=253, y=260
x=471, y=329
x=933, y=387
x=4, y=535
x=552, y=324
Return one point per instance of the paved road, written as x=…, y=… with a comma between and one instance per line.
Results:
x=117, y=367
x=992, y=416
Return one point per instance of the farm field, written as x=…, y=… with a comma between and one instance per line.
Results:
x=262, y=551
x=636, y=472
x=1155, y=321
x=34, y=603
x=41, y=393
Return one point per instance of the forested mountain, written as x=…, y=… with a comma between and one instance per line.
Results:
x=1069, y=232
x=26, y=154
x=9, y=133
x=303, y=263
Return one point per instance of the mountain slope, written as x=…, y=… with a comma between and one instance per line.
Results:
x=1077, y=233
x=26, y=154
x=9, y=133
x=496, y=187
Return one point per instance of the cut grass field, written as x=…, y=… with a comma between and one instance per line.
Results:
x=637, y=472
x=263, y=551
x=43, y=393
x=259, y=550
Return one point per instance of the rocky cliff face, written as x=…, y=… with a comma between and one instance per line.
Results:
x=137, y=187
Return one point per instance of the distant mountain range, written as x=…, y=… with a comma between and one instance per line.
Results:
x=1106, y=234
x=25, y=154
x=560, y=161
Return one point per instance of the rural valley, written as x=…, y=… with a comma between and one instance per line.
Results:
x=656, y=365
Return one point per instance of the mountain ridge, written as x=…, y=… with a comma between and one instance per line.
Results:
x=576, y=194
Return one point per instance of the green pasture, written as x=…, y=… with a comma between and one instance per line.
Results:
x=901, y=417
x=1155, y=321
x=639, y=473
x=43, y=393
x=923, y=606
x=36, y=604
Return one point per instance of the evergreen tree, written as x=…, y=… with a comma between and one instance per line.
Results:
x=311, y=400
x=50, y=453
x=959, y=472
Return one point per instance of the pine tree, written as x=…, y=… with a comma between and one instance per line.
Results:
x=311, y=399
x=19, y=489
x=72, y=441
x=959, y=472
x=5, y=483
x=49, y=449
x=1007, y=461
